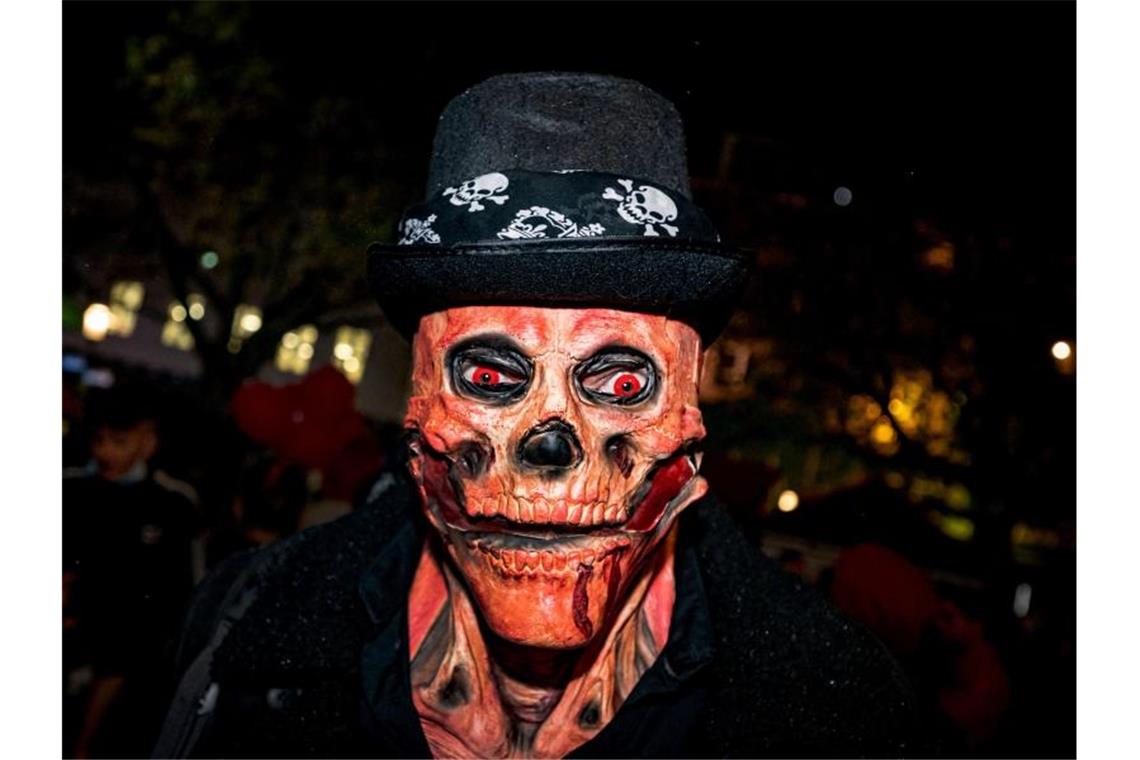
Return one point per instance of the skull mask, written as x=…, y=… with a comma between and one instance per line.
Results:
x=553, y=449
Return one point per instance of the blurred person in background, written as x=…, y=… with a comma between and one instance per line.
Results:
x=958, y=677
x=127, y=576
x=270, y=503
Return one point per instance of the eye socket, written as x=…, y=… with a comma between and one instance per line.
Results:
x=490, y=371
x=621, y=376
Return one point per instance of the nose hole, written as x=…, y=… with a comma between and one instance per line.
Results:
x=618, y=450
x=551, y=445
x=472, y=460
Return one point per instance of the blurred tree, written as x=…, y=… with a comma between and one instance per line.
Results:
x=252, y=182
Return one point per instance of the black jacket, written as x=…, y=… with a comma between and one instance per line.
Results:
x=301, y=650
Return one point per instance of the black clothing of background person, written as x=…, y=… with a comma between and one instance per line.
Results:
x=127, y=548
x=300, y=649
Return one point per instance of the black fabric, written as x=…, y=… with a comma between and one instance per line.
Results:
x=757, y=665
x=546, y=121
x=128, y=546
x=694, y=283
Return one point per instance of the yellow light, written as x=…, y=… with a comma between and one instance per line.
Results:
x=96, y=321
x=787, y=501
x=296, y=349
x=177, y=335
x=958, y=497
x=957, y=528
x=1062, y=350
x=883, y=432
x=197, y=310
x=128, y=294
x=350, y=351
x=250, y=323
x=247, y=321
x=177, y=312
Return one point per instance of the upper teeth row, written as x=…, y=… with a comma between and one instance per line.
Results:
x=541, y=511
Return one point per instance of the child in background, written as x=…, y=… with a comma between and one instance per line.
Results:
x=127, y=570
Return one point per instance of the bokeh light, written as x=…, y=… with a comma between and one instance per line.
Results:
x=788, y=501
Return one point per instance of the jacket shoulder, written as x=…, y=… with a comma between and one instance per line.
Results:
x=304, y=596
x=792, y=676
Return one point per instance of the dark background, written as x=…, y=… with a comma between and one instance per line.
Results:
x=286, y=136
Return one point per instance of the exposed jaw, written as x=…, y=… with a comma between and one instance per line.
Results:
x=547, y=583
x=541, y=519
x=519, y=558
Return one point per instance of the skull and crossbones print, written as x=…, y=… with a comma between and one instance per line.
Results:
x=474, y=192
x=645, y=205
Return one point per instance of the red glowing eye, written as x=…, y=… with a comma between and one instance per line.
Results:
x=485, y=376
x=626, y=385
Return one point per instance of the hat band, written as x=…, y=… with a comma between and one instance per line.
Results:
x=525, y=205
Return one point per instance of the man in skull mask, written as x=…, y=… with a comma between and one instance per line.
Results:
x=573, y=590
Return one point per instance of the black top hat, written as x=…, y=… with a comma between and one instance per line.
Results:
x=558, y=189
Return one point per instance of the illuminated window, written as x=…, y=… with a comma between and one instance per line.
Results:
x=126, y=299
x=175, y=333
x=351, y=351
x=295, y=350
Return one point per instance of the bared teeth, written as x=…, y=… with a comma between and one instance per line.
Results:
x=548, y=560
x=559, y=560
x=544, y=511
x=558, y=514
x=531, y=560
x=541, y=511
x=588, y=556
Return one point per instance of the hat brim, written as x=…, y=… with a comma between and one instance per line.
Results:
x=691, y=281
